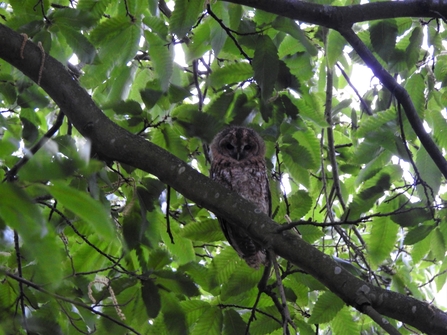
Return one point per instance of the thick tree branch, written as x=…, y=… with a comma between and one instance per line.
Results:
x=114, y=142
x=337, y=17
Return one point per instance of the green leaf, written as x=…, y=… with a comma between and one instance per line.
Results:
x=129, y=107
x=172, y=311
x=414, y=48
x=176, y=282
x=374, y=122
x=184, y=16
x=429, y=173
x=383, y=236
x=205, y=231
x=383, y=36
x=372, y=190
x=233, y=323
x=265, y=65
x=438, y=245
x=76, y=19
x=230, y=74
x=81, y=46
x=241, y=280
x=194, y=309
x=151, y=298
x=307, y=139
x=326, y=308
x=418, y=234
x=161, y=57
x=415, y=87
x=210, y=322
x=21, y=213
x=335, y=45
x=95, y=8
x=84, y=206
x=343, y=323
x=290, y=27
x=300, y=203
x=299, y=155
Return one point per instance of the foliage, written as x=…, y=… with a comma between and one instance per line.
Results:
x=91, y=245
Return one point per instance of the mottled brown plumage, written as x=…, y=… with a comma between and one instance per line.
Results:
x=238, y=163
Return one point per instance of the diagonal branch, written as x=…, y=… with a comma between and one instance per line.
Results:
x=401, y=95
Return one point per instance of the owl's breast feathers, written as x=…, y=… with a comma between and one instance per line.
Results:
x=249, y=179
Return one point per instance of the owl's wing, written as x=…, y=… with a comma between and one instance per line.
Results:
x=247, y=249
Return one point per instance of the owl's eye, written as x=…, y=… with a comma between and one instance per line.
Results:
x=229, y=146
x=247, y=147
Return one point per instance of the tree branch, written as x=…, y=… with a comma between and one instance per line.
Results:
x=116, y=143
x=337, y=17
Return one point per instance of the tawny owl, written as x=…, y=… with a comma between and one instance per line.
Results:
x=238, y=163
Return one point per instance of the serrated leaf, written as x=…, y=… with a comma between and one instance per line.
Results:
x=411, y=215
x=176, y=282
x=116, y=33
x=265, y=65
x=291, y=28
x=383, y=36
x=151, y=298
x=415, y=87
x=205, y=231
x=310, y=233
x=168, y=138
x=299, y=154
x=241, y=280
x=307, y=139
x=437, y=244
x=383, y=236
x=374, y=122
x=173, y=311
x=230, y=74
x=96, y=8
x=84, y=206
x=182, y=249
x=73, y=18
x=343, y=323
x=420, y=250
x=233, y=323
x=309, y=111
x=326, y=307
x=157, y=25
x=161, y=58
x=184, y=16
x=414, y=48
x=372, y=190
x=429, y=173
x=81, y=46
x=224, y=264
x=335, y=45
x=418, y=234
x=129, y=107
x=300, y=204
x=210, y=322
x=194, y=309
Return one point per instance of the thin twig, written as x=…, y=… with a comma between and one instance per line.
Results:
x=74, y=302
x=11, y=174
x=168, y=222
x=228, y=31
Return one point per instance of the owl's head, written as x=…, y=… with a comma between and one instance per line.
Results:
x=238, y=143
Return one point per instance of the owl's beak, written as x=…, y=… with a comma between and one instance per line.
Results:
x=238, y=155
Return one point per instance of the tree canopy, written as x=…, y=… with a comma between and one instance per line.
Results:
x=108, y=218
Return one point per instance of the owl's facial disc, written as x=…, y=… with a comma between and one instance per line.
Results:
x=238, y=151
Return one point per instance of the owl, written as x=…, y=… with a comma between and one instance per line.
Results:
x=238, y=163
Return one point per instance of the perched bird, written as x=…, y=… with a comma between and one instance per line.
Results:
x=238, y=163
